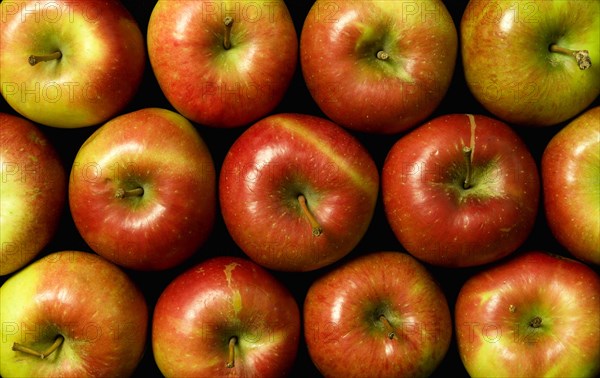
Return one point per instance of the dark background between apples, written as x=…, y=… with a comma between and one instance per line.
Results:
x=378, y=237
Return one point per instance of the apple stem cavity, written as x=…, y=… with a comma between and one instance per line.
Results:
x=468, y=154
x=122, y=193
x=232, y=342
x=35, y=59
x=581, y=56
x=388, y=327
x=228, y=22
x=382, y=55
x=317, y=230
x=22, y=348
x=536, y=322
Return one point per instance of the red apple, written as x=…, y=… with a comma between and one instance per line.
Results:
x=226, y=316
x=381, y=314
x=32, y=192
x=222, y=63
x=571, y=184
x=71, y=314
x=143, y=190
x=378, y=66
x=461, y=190
x=69, y=63
x=532, y=62
x=534, y=315
x=297, y=192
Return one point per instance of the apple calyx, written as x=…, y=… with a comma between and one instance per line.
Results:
x=382, y=55
x=35, y=59
x=388, y=327
x=468, y=154
x=535, y=322
x=317, y=230
x=581, y=56
x=22, y=348
x=228, y=22
x=231, y=361
x=122, y=193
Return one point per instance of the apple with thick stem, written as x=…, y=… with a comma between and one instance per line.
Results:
x=33, y=191
x=222, y=63
x=381, y=314
x=378, y=66
x=461, y=190
x=226, y=316
x=69, y=63
x=71, y=314
x=533, y=315
x=532, y=62
x=571, y=185
x=297, y=192
x=142, y=191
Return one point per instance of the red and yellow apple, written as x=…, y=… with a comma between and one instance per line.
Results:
x=69, y=63
x=461, y=190
x=297, y=192
x=571, y=185
x=71, y=314
x=33, y=191
x=222, y=63
x=532, y=62
x=142, y=191
x=378, y=66
x=533, y=315
x=225, y=316
x=378, y=315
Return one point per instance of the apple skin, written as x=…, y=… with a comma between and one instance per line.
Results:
x=342, y=323
x=495, y=307
x=201, y=309
x=214, y=86
x=430, y=212
x=339, y=43
x=94, y=305
x=87, y=86
x=33, y=192
x=275, y=160
x=161, y=152
x=508, y=66
x=571, y=185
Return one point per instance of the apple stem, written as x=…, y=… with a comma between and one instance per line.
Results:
x=582, y=56
x=228, y=21
x=386, y=323
x=536, y=322
x=317, y=230
x=468, y=154
x=382, y=55
x=232, y=342
x=35, y=59
x=122, y=193
x=21, y=348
